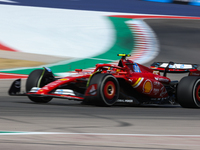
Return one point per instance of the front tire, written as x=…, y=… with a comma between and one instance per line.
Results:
x=107, y=90
x=188, y=92
x=35, y=80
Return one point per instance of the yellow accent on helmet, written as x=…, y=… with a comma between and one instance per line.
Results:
x=124, y=55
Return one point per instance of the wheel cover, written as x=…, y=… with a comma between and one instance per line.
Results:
x=109, y=90
x=197, y=93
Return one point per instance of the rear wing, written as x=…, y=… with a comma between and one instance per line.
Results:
x=172, y=67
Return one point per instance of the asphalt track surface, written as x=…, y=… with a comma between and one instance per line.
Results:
x=162, y=127
x=178, y=38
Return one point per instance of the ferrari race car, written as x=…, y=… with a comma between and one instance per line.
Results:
x=128, y=82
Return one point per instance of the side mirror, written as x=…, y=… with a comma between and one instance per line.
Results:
x=78, y=70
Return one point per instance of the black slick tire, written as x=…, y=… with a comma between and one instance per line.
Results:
x=33, y=81
x=188, y=92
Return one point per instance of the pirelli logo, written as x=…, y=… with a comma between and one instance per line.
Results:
x=138, y=82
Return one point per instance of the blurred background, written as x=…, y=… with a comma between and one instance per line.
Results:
x=68, y=34
x=65, y=35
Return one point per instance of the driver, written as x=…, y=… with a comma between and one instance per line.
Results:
x=123, y=62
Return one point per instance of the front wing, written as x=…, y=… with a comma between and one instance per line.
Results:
x=58, y=93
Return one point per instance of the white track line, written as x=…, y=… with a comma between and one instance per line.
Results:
x=99, y=134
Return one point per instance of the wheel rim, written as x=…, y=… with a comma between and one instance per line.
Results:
x=109, y=90
x=197, y=93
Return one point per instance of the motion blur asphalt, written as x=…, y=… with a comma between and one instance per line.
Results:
x=122, y=127
x=178, y=38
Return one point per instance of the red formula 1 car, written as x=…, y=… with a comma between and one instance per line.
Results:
x=127, y=82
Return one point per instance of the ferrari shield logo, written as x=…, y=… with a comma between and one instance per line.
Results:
x=92, y=90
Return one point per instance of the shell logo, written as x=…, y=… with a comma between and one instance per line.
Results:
x=147, y=88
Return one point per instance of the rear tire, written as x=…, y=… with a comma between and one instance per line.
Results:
x=107, y=90
x=188, y=92
x=33, y=81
